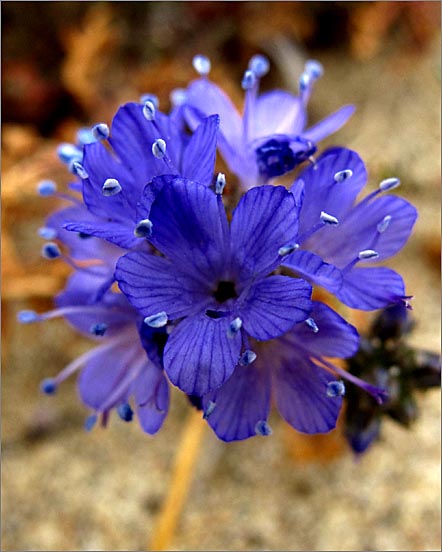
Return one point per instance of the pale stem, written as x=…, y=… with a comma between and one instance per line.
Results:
x=182, y=472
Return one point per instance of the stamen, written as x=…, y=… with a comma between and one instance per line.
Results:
x=98, y=329
x=340, y=176
x=159, y=148
x=82, y=360
x=209, y=409
x=312, y=324
x=380, y=395
x=201, y=64
x=125, y=412
x=368, y=254
x=287, y=249
x=143, y=229
x=86, y=136
x=263, y=428
x=248, y=80
x=90, y=422
x=259, y=64
x=77, y=168
x=50, y=251
x=47, y=233
x=89, y=269
x=314, y=69
x=328, y=219
x=304, y=82
x=150, y=98
x=247, y=358
x=220, y=183
x=384, y=224
x=67, y=153
x=149, y=110
x=111, y=187
x=101, y=131
x=157, y=320
x=28, y=317
x=389, y=184
x=335, y=389
x=234, y=327
x=325, y=219
x=48, y=386
x=178, y=96
x=46, y=188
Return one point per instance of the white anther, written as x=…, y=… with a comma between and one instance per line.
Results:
x=340, y=176
x=159, y=148
x=201, y=64
x=389, y=184
x=368, y=254
x=328, y=219
x=384, y=224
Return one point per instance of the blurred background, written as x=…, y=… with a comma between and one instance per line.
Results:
x=71, y=64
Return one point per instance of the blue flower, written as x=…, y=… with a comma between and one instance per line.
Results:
x=215, y=282
x=336, y=236
x=270, y=138
x=141, y=145
x=127, y=364
x=293, y=370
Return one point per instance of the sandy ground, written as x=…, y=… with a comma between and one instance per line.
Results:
x=64, y=489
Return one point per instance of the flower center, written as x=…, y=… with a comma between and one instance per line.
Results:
x=275, y=158
x=278, y=157
x=225, y=291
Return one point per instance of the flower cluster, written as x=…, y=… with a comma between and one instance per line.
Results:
x=189, y=278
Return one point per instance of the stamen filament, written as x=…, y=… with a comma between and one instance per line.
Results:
x=380, y=395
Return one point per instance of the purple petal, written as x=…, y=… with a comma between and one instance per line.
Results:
x=209, y=99
x=105, y=373
x=153, y=284
x=150, y=192
x=330, y=124
x=240, y=403
x=132, y=136
x=114, y=311
x=371, y=288
x=300, y=391
x=199, y=355
x=315, y=270
x=118, y=233
x=358, y=231
x=81, y=247
x=277, y=112
x=264, y=221
x=199, y=159
x=188, y=228
x=273, y=305
x=101, y=165
x=323, y=193
x=335, y=337
x=151, y=392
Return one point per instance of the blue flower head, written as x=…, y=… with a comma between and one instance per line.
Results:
x=215, y=297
